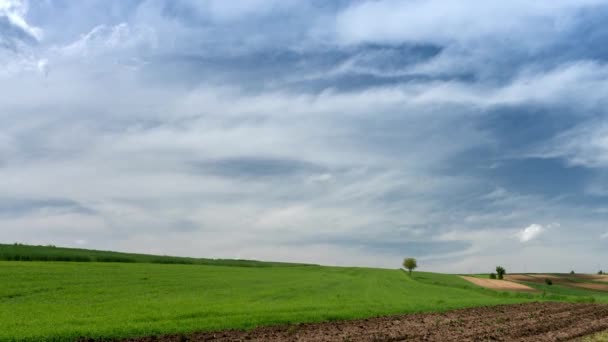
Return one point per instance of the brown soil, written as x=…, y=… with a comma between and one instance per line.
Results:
x=520, y=277
x=566, y=280
x=591, y=286
x=496, y=284
x=593, y=277
x=548, y=276
x=520, y=322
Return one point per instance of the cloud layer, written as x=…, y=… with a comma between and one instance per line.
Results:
x=302, y=131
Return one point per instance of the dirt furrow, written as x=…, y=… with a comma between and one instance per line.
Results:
x=521, y=322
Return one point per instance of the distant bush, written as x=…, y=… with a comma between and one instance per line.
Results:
x=572, y=272
x=20, y=252
x=500, y=271
x=111, y=258
x=492, y=275
x=600, y=272
x=548, y=281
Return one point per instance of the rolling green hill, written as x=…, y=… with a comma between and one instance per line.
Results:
x=62, y=301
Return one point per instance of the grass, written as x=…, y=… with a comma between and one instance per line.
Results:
x=601, y=337
x=19, y=252
x=598, y=296
x=60, y=301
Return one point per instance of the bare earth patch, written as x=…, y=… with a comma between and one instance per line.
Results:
x=565, y=279
x=591, y=286
x=547, y=276
x=520, y=277
x=519, y=322
x=594, y=277
x=496, y=284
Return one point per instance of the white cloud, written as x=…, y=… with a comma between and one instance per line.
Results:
x=15, y=11
x=445, y=22
x=43, y=66
x=531, y=232
x=115, y=40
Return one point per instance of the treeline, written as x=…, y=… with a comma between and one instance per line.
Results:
x=21, y=252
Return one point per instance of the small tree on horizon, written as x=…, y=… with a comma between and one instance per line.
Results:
x=500, y=272
x=600, y=272
x=492, y=275
x=410, y=264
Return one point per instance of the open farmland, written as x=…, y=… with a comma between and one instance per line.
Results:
x=66, y=301
x=63, y=300
x=530, y=322
x=580, y=281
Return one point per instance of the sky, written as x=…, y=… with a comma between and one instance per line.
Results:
x=466, y=134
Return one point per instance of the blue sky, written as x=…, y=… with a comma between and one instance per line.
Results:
x=464, y=133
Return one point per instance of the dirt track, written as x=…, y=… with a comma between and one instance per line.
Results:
x=520, y=322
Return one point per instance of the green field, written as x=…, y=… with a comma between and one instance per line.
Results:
x=60, y=301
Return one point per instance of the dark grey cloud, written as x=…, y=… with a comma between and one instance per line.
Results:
x=21, y=206
x=394, y=247
x=255, y=167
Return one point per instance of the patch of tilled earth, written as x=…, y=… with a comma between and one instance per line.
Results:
x=520, y=322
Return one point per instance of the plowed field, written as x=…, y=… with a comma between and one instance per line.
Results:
x=519, y=322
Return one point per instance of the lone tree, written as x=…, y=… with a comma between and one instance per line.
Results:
x=410, y=264
x=500, y=271
x=600, y=272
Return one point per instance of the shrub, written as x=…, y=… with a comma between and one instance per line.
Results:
x=492, y=275
x=500, y=271
x=572, y=272
x=600, y=272
x=548, y=281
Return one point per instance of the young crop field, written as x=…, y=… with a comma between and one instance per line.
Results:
x=64, y=301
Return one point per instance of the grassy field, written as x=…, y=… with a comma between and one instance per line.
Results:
x=61, y=301
x=601, y=337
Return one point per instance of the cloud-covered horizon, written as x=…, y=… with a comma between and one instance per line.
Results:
x=344, y=133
